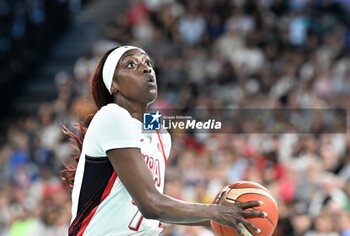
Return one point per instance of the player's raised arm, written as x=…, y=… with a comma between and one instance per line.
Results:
x=137, y=179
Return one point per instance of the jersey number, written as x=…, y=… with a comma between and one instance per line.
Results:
x=136, y=220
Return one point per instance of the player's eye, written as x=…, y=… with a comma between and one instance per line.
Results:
x=131, y=65
x=149, y=63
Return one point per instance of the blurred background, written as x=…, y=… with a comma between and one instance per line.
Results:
x=207, y=53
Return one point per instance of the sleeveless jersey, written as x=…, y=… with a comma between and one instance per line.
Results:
x=100, y=203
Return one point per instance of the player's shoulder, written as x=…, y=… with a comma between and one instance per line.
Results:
x=111, y=114
x=112, y=107
x=111, y=110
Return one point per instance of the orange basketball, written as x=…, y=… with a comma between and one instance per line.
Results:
x=244, y=191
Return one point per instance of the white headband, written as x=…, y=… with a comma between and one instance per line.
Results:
x=111, y=64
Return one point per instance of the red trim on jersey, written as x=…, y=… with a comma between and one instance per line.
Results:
x=105, y=193
x=161, y=145
x=137, y=227
x=161, y=226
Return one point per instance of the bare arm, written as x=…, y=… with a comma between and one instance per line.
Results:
x=137, y=179
x=201, y=223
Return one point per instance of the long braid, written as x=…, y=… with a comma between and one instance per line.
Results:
x=68, y=173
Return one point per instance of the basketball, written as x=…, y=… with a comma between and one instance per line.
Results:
x=244, y=191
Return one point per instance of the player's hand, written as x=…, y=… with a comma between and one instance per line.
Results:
x=236, y=214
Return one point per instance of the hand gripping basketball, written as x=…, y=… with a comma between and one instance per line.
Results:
x=251, y=209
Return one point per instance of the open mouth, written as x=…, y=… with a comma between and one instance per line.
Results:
x=151, y=81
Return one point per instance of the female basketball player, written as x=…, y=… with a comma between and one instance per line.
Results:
x=119, y=178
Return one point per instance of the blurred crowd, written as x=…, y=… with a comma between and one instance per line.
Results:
x=27, y=30
x=211, y=54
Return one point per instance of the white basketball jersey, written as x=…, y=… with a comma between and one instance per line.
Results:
x=100, y=203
